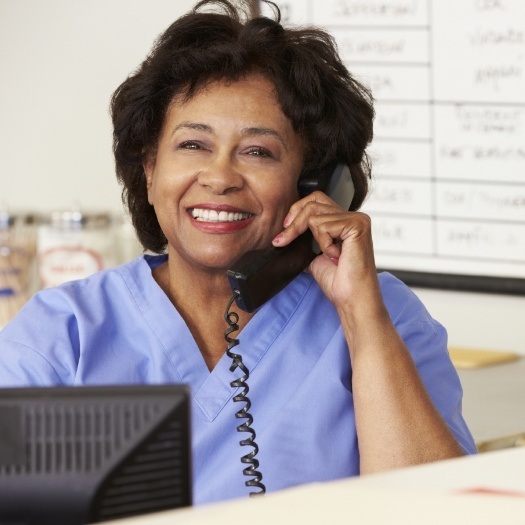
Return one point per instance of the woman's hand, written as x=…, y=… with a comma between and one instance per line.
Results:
x=345, y=270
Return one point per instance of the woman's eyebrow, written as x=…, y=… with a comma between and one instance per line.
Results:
x=192, y=125
x=264, y=131
x=251, y=131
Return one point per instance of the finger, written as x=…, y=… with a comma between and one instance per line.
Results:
x=302, y=221
x=317, y=197
x=333, y=231
x=326, y=230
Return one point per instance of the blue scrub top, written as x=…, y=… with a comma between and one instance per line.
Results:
x=119, y=327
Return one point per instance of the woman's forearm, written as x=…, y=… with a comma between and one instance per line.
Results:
x=397, y=423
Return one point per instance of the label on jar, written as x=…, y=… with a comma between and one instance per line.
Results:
x=66, y=263
x=65, y=255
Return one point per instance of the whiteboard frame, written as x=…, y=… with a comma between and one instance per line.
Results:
x=460, y=282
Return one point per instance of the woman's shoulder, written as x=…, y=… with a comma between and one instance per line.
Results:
x=75, y=299
x=401, y=301
x=102, y=283
x=46, y=338
x=390, y=284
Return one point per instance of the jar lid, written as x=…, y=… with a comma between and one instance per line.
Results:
x=9, y=219
x=75, y=219
x=6, y=220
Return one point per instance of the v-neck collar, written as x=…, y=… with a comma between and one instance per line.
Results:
x=212, y=390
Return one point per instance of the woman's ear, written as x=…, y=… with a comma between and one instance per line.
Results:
x=148, y=164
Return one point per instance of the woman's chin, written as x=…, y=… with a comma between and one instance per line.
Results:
x=216, y=263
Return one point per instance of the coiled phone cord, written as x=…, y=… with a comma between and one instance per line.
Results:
x=253, y=464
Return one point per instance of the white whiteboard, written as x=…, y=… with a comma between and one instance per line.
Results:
x=448, y=76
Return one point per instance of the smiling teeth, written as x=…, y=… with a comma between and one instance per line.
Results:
x=214, y=216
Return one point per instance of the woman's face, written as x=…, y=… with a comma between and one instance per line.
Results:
x=225, y=172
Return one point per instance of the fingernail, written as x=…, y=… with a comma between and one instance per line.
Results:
x=287, y=220
x=335, y=260
x=278, y=238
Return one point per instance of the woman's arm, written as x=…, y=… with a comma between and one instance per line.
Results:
x=397, y=423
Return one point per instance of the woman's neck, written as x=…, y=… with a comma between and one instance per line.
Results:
x=201, y=298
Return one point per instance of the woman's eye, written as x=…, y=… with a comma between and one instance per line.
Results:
x=260, y=152
x=190, y=144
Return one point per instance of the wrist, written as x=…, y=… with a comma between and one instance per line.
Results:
x=367, y=325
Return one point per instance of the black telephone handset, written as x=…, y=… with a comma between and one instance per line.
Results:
x=259, y=274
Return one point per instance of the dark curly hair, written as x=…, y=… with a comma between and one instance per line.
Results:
x=331, y=111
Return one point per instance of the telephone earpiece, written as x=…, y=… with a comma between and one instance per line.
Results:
x=335, y=180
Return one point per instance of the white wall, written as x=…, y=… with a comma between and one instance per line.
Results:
x=476, y=320
x=60, y=61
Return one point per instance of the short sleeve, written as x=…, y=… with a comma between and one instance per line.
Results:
x=40, y=345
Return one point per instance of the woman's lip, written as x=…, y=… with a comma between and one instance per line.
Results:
x=222, y=218
x=217, y=207
x=220, y=226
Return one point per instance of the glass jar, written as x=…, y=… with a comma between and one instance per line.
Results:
x=17, y=262
x=72, y=245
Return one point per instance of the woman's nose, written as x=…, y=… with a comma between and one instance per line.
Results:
x=221, y=176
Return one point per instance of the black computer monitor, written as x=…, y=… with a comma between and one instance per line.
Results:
x=77, y=455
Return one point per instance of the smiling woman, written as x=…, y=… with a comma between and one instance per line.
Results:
x=211, y=164
x=213, y=134
x=229, y=150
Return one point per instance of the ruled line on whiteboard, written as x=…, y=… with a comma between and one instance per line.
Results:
x=458, y=219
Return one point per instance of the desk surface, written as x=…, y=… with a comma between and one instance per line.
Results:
x=430, y=494
x=503, y=470
x=494, y=400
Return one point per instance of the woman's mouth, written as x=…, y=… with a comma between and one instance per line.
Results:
x=206, y=215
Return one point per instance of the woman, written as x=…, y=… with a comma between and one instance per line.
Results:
x=349, y=373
